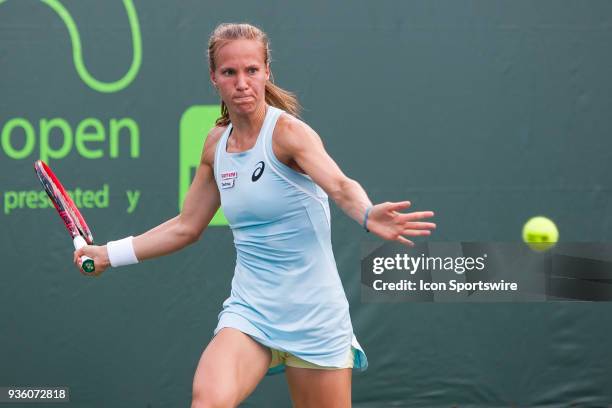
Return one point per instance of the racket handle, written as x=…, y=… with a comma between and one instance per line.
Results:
x=86, y=262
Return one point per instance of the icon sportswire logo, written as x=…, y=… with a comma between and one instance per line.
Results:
x=77, y=55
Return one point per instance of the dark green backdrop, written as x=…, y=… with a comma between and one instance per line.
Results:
x=487, y=112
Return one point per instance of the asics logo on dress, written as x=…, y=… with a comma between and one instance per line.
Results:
x=258, y=171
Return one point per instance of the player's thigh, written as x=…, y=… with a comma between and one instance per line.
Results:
x=230, y=368
x=310, y=387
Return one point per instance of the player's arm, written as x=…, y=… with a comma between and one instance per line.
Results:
x=199, y=207
x=200, y=204
x=295, y=140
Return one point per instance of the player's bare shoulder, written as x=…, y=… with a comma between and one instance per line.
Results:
x=210, y=145
x=291, y=134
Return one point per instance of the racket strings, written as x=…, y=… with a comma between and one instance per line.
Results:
x=68, y=208
x=63, y=202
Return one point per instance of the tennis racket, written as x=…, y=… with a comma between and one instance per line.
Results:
x=75, y=223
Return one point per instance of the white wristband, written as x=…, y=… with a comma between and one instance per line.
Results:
x=121, y=252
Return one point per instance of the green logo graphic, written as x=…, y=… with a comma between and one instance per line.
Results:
x=195, y=123
x=77, y=56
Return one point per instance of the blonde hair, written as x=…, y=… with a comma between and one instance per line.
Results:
x=275, y=95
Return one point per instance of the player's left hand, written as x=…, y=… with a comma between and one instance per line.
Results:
x=386, y=221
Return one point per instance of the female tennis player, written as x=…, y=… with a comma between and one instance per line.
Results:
x=287, y=310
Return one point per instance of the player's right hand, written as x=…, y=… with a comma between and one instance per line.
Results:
x=99, y=255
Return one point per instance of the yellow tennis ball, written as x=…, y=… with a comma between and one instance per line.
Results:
x=540, y=233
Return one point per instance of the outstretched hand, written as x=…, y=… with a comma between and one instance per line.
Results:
x=97, y=253
x=387, y=222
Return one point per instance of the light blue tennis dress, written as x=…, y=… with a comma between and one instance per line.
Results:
x=286, y=292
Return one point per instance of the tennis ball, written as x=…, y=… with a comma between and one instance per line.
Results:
x=540, y=233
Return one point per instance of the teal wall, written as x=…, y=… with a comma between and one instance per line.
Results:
x=487, y=112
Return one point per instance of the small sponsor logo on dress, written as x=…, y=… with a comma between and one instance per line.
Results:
x=229, y=183
x=258, y=171
x=229, y=175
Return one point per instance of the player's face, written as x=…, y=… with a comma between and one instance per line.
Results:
x=241, y=74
